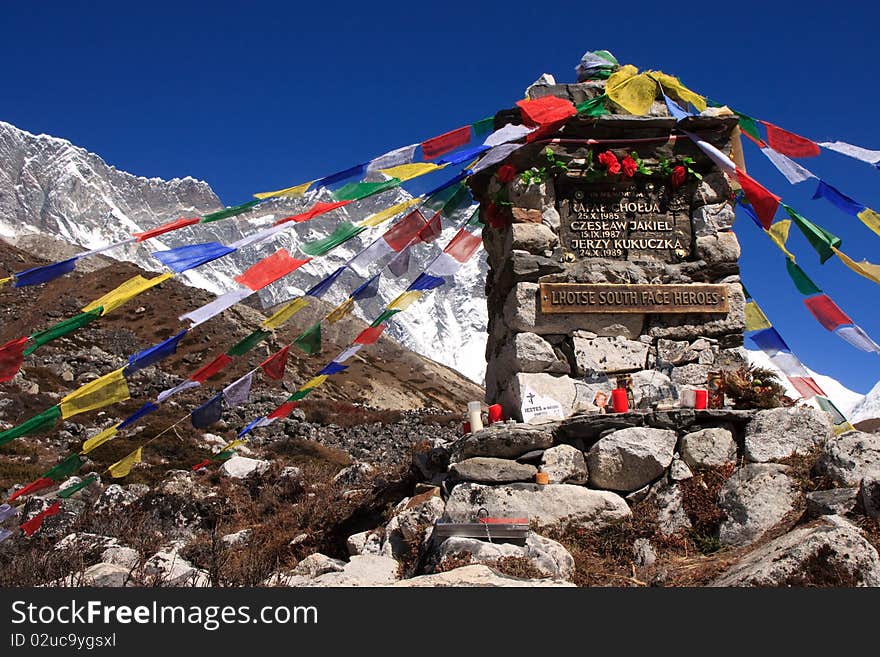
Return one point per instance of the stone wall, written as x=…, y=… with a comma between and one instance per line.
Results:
x=568, y=357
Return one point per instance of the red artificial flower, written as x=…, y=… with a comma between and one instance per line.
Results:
x=679, y=173
x=505, y=173
x=610, y=161
x=495, y=216
x=630, y=166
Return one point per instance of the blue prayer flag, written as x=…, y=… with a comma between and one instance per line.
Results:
x=333, y=368
x=841, y=201
x=208, y=413
x=368, y=289
x=677, y=112
x=251, y=425
x=322, y=286
x=356, y=171
x=153, y=354
x=426, y=282
x=146, y=409
x=190, y=256
x=769, y=341
x=45, y=273
x=464, y=156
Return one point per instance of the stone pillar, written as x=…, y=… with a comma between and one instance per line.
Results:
x=558, y=213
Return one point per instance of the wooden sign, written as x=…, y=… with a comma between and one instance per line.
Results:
x=625, y=298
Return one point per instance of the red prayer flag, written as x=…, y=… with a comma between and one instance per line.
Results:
x=763, y=200
x=806, y=386
x=826, y=311
x=431, y=230
x=11, y=358
x=546, y=110
x=274, y=365
x=203, y=464
x=282, y=411
x=449, y=141
x=166, y=228
x=318, y=208
x=404, y=231
x=33, y=487
x=463, y=245
x=207, y=371
x=270, y=269
x=789, y=143
x=370, y=334
x=33, y=525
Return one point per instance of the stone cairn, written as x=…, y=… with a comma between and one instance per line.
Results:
x=569, y=220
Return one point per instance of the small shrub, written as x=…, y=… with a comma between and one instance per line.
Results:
x=755, y=387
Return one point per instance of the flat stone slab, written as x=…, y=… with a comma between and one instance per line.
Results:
x=491, y=470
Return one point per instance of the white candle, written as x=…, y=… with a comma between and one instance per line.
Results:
x=475, y=416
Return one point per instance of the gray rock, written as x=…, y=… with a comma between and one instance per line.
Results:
x=756, y=498
x=487, y=469
x=679, y=470
x=531, y=237
x=502, y=441
x=356, y=475
x=869, y=494
x=546, y=505
x=638, y=495
x=719, y=249
x=851, y=457
x=413, y=518
x=529, y=352
x=565, y=464
x=627, y=459
x=650, y=386
x=708, y=448
x=571, y=395
x=609, y=355
x=121, y=556
x=643, y=553
x=107, y=575
x=671, y=516
x=711, y=219
x=368, y=542
x=116, y=497
x=548, y=556
x=844, y=555
x=676, y=352
x=240, y=467
x=476, y=575
x=318, y=564
x=534, y=456
x=837, y=501
x=237, y=539
x=361, y=570
x=779, y=433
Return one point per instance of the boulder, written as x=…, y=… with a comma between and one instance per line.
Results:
x=529, y=352
x=361, y=570
x=168, y=568
x=491, y=470
x=318, y=564
x=532, y=237
x=236, y=539
x=565, y=464
x=368, y=542
x=548, y=556
x=563, y=394
x=708, y=448
x=475, y=575
x=779, y=433
x=828, y=552
x=107, y=575
x=546, y=505
x=671, y=516
x=116, y=497
x=679, y=470
x=502, y=441
x=608, y=355
x=837, y=501
x=869, y=494
x=355, y=476
x=627, y=459
x=850, y=457
x=240, y=467
x=121, y=556
x=183, y=483
x=756, y=498
x=643, y=553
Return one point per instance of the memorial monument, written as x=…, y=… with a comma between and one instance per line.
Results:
x=612, y=260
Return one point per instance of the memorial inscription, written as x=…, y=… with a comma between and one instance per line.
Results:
x=626, y=220
x=625, y=298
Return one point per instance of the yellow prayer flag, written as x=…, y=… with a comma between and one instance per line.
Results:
x=232, y=445
x=387, y=213
x=755, y=317
x=863, y=268
x=405, y=300
x=405, y=172
x=871, y=219
x=633, y=91
x=284, y=313
x=4, y=281
x=126, y=292
x=673, y=84
x=314, y=382
x=123, y=467
x=108, y=389
x=340, y=311
x=843, y=428
x=96, y=441
x=778, y=232
x=290, y=192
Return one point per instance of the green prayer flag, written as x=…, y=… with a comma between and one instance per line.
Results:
x=818, y=237
x=483, y=126
x=248, y=343
x=310, y=340
x=229, y=212
x=70, y=490
x=435, y=202
x=299, y=394
x=37, y=424
x=54, y=332
x=354, y=191
x=594, y=106
x=66, y=468
x=747, y=125
x=224, y=456
x=386, y=315
x=342, y=233
x=461, y=197
x=801, y=281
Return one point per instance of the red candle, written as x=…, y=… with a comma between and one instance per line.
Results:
x=495, y=413
x=619, y=400
x=701, y=397
x=466, y=428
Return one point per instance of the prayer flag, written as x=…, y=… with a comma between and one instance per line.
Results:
x=343, y=232
x=399, y=264
x=217, y=306
x=153, y=354
x=801, y=281
x=387, y=314
x=122, y=467
x=284, y=313
x=290, y=192
x=274, y=365
x=592, y=107
x=871, y=219
x=316, y=210
x=749, y=127
x=826, y=311
x=632, y=91
x=232, y=211
x=108, y=389
x=495, y=156
x=64, y=327
x=483, y=126
x=464, y=155
x=11, y=358
x=208, y=413
x=144, y=410
x=856, y=337
x=166, y=228
x=347, y=353
x=778, y=232
x=270, y=269
x=33, y=525
x=125, y=292
x=405, y=300
x=340, y=311
x=370, y=334
x=66, y=468
x=806, y=386
x=68, y=491
x=839, y=200
x=546, y=110
x=386, y=214
x=356, y=171
x=360, y=190
x=863, y=268
x=841, y=424
x=211, y=369
x=237, y=392
x=6, y=512
x=319, y=288
x=333, y=368
x=248, y=342
x=402, y=155
x=857, y=152
x=675, y=110
x=184, y=258
x=180, y=387
x=37, y=424
x=314, y=382
x=310, y=340
x=506, y=134
x=769, y=341
x=367, y=290
x=788, y=143
x=821, y=240
x=674, y=85
x=426, y=282
x=432, y=229
x=99, y=439
x=755, y=317
x=283, y=410
x=762, y=200
x=45, y=273
x=792, y=171
x=40, y=484
x=448, y=141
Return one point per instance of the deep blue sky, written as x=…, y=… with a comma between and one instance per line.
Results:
x=252, y=96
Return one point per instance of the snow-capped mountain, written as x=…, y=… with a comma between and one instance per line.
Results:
x=845, y=399
x=869, y=406
x=49, y=186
